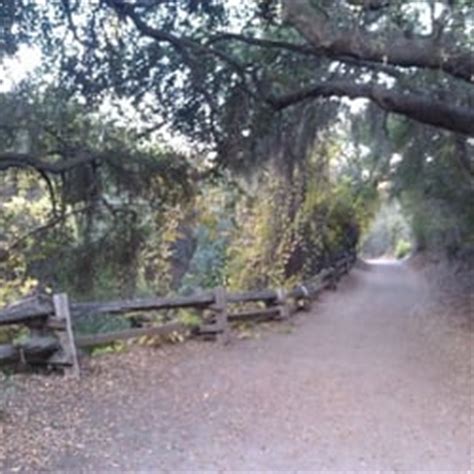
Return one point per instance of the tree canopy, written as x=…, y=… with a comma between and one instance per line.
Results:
x=200, y=64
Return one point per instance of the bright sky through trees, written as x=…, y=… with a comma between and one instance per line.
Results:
x=14, y=69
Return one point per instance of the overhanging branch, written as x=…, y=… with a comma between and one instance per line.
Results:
x=431, y=112
x=419, y=52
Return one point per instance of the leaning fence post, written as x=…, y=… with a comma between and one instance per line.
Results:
x=65, y=335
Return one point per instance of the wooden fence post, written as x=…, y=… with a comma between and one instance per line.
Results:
x=63, y=329
x=220, y=325
x=222, y=316
x=304, y=304
x=283, y=309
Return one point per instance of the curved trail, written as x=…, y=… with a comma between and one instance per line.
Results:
x=363, y=382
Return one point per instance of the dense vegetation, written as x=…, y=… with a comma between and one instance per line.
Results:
x=151, y=220
x=173, y=145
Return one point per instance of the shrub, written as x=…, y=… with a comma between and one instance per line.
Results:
x=402, y=249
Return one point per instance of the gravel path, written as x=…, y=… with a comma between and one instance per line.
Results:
x=376, y=377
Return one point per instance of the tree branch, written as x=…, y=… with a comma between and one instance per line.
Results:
x=431, y=112
x=47, y=226
x=182, y=44
x=24, y=160
x=264, y=43
x=425, y=53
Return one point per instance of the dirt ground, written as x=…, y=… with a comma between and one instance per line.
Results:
x=377, y=377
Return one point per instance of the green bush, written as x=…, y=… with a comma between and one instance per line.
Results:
x=402, y=249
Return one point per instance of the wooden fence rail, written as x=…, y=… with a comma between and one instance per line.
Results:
x=50, y=320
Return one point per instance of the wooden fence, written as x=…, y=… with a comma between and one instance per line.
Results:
x=51, y=339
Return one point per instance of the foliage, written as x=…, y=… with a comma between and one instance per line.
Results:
x=403, y=249
x=86, y=230
x=106, y=323
x=262, y=239
x=23, y=205
x=389, y=234
x=113, y=348
x=290, y=228
x=214, y=223
x=435, y=181
x=139, y=227
x=189, y=317
x=429, y=171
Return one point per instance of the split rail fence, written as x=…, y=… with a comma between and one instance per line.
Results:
x=50, y=320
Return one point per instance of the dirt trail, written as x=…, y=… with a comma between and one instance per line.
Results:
x=373, y=379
